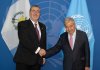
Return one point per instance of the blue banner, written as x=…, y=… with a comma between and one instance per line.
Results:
x=79, y=11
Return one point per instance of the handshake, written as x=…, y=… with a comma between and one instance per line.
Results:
x=42, y=52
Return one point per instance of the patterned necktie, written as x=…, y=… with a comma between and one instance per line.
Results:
x=71, y=41
x=37, y=31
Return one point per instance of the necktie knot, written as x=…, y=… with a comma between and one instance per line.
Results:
x=35, y=25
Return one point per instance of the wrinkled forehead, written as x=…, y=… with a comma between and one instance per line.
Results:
x=69, y=23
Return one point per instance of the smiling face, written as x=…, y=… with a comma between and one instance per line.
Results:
x=70, y=25
x=34, y=13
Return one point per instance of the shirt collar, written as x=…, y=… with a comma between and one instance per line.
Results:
x=74, y=34
x=34, y=22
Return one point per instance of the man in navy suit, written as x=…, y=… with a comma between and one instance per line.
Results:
x=32, y=42
x=75, y=46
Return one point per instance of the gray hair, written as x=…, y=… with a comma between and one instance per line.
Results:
x=68, y=19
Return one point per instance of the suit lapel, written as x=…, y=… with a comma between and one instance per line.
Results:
x=67, y=42
x=32, y=29
x=76, y=41
x=41, y=29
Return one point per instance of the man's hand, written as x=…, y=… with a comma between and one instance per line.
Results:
x=87, y=68
x=44, y=60
x=42, y=52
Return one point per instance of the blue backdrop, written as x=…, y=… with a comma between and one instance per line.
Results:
x=54, y=26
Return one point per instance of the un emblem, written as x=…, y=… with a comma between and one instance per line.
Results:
x=83, y=24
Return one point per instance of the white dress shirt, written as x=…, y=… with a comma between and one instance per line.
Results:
x=38, y=27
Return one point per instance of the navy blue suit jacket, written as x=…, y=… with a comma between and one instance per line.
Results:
x=77, y=58
x=28, y=43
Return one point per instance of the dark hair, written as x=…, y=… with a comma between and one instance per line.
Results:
x=34, y=6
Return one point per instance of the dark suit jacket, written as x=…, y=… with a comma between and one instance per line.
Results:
x=28, y=43
x=77, y=58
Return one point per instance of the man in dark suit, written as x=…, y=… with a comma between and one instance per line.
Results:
x=75, y=47
x=32, y=42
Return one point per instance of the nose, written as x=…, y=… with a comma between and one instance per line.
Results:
x=35, y=12
x=69, y=29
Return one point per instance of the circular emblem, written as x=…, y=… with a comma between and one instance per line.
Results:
x=17, y=18
x=83, y=24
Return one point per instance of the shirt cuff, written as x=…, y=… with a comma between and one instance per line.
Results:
x=38, y=49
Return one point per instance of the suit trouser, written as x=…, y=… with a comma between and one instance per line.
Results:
x=21, y=66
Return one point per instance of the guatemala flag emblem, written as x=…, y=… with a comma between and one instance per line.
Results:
x=18, y=11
